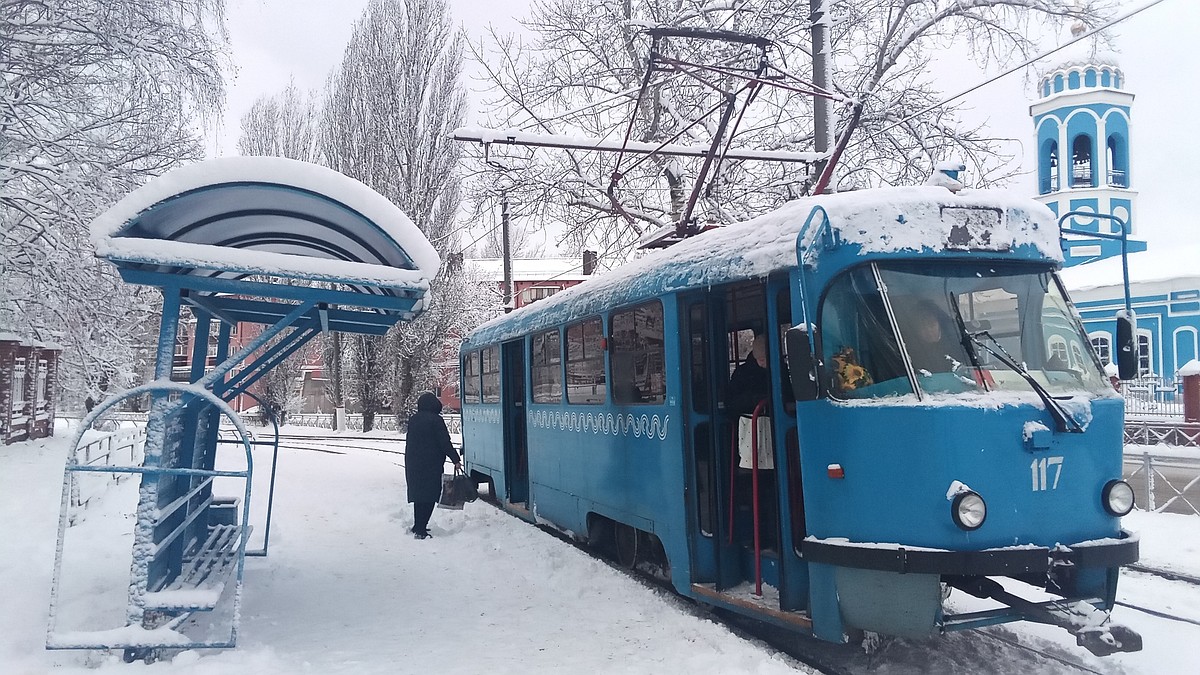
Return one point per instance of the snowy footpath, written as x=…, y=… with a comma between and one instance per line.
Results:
x=345, y=589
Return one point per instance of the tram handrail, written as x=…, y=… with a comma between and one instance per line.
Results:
x=762, y=405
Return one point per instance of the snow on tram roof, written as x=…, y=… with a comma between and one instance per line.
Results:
x=883, y=220
x=395, y=252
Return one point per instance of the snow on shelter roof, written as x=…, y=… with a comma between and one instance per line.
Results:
x=884, y=220
x=237, y=216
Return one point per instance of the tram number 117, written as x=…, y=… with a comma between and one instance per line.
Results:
x=1039, y=468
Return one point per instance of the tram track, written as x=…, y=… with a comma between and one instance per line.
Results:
x=1165, y=574
x=1039, y=652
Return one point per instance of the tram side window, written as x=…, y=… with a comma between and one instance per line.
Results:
x=638, y=355
x=470, y=367
x=545, y=357
x=491, y=375
x=861, y=355
x=586, y=381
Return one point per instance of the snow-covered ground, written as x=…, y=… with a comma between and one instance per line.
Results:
x=346, y=590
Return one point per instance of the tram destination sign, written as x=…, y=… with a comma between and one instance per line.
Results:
x=974, y=228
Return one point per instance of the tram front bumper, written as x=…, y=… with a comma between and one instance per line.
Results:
x=1013, y=561
x=896, y=590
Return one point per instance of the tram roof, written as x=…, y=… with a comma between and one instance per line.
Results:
x=232, y=217
x=897, y=221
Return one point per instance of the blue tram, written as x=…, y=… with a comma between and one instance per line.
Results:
x=913, y=428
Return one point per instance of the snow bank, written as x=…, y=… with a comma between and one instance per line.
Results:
x=1190, y=368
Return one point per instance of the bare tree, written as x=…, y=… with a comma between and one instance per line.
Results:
x=281, y=125
x=389, y=110
x=96, y=97
x=582, y=73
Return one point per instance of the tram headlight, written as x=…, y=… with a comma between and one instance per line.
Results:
x=1117, y=498
x=968, y=510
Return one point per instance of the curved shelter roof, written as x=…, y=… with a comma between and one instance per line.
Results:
x=226, y=219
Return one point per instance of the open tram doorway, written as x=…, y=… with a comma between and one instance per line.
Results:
x=516, y=446
x=737, y=391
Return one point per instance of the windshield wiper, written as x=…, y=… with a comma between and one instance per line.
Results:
x=1064, y=420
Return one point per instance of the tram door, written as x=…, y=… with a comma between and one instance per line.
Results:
x=714, y=560
x=736, y=517
x=516, y=449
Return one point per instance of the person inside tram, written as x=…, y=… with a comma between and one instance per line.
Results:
x=750, y=384
x=930, y=342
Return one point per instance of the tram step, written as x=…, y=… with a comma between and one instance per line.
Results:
x=738, y=600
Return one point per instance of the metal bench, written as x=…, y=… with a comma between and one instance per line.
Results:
x=202, y=579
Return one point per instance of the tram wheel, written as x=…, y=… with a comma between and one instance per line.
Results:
x=654, y=556
x=626, y=541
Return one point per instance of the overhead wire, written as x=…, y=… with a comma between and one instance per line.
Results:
x=1010, y=71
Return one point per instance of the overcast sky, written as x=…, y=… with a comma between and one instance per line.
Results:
x=274, y=40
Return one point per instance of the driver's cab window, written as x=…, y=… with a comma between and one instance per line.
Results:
x=952, y=329
x=859, y=348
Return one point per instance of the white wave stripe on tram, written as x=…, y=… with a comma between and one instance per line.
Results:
x=649, y=426
x=481, y=415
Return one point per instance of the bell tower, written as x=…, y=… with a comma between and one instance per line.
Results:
x=1082, y=121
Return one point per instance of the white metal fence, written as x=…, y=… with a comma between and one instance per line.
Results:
x=1164, y=484
x=354, y=422
x=123, y=447
x=1153, y=396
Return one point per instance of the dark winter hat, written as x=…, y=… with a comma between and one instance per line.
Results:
x=427, y=402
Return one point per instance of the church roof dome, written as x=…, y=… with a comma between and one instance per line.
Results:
x=1080, y=65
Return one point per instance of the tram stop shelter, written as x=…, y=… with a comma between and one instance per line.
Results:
x=291, y=246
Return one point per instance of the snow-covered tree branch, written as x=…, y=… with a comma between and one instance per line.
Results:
x=96, y=97
x=581, y=73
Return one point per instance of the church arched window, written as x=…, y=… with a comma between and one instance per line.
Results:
x=1118, y=162
x=1081, y=162
x=1048, y=167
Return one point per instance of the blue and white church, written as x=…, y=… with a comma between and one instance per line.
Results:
x=1082, y=118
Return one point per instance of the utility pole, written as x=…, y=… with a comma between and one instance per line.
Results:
x=822, y=106
x=508, y=280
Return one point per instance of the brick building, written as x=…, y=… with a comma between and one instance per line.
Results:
x=28, y=388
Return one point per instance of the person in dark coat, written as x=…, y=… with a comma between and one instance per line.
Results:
x=427, y=446
x=751, y=381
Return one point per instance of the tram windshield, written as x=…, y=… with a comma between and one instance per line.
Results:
x=890, y=329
